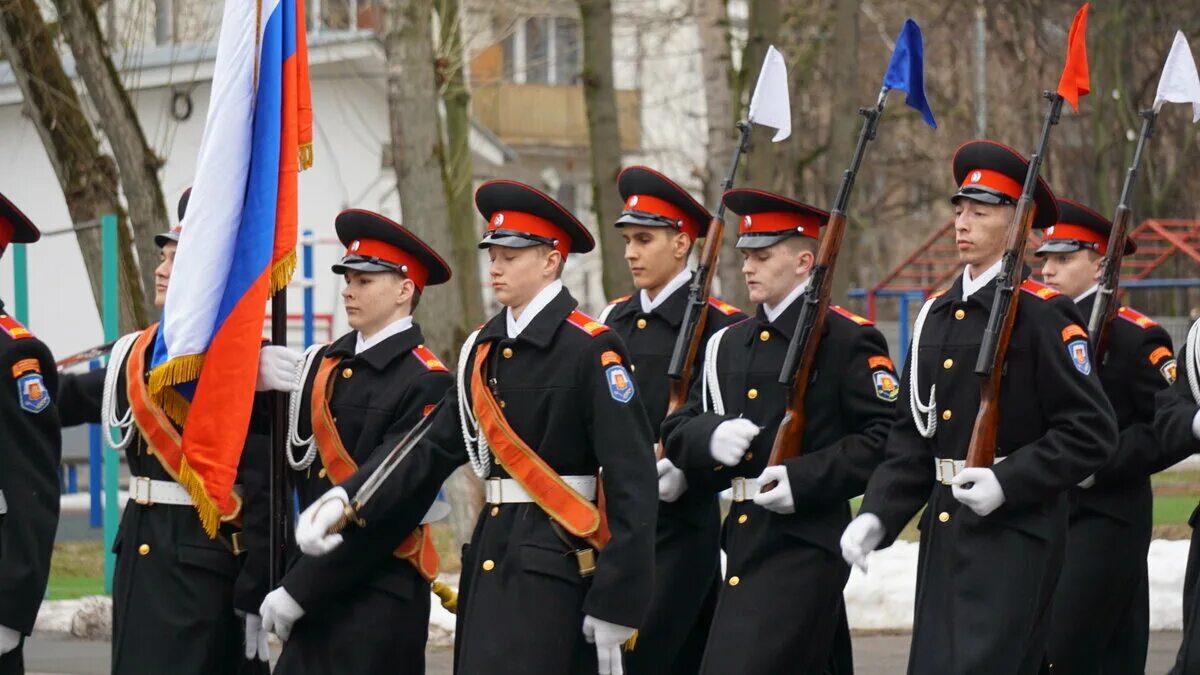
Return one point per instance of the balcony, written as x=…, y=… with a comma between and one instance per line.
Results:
x=550, y=115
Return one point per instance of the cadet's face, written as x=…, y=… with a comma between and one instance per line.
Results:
x=772, y=272
x=655, y=255
x=517, y=274
x=373, y=299
x=979, y=231
x=162, y=273
x=1071, y=273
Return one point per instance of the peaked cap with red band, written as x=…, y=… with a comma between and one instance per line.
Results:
x=767, y=219
x=519, y=216
x=653, y=200
x=378, y=244
x=163, y=238
x=991, y=173
x=1078, y=227
x=15, y=227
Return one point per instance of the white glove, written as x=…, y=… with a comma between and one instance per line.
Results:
x=861, y=537
x=9, y=639
x=779, y=498
x=279, y=612
x=1088, y=482
x=312, y=528
x=731, y=439
x=984, y=496
x=278, y=369
x=671, y=481
x=256, y=639
x=608, y=638
x=1196, y=425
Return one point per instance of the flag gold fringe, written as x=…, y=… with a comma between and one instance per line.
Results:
x=175, y=371
x=306, y=156
x=174, y=405
x=282, y=272
x=631, y=642
x=206, y=508
x=446, y=594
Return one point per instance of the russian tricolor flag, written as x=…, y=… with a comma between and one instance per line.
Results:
x=237, y=245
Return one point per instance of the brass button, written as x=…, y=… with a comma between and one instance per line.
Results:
x=959, y=314
x=946, y=415
x=488, y=565
x=503, y=404
x=765, y=335
x=718, y=467
x=944, y=517
x=948, y=364
x=507, y=352
x=641, y=323
x=633, y=367
x=752, y=394
x=144, y=549
x=734, y=581
x=749, y=456
x=743, y=518
x=495, y=511
x=322, y=473
x=347, y=373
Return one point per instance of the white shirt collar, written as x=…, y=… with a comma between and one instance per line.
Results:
x=673, y=285
x=971, y=285
x=774, y=312
x=1088, y=292
x=394, y=328
x=539, y=302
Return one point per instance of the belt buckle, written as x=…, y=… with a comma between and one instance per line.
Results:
x=739, y=489
x=138, y=497
x=495, y=492
x=947, y=470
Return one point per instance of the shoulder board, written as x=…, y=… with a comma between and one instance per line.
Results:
x=586, y=323
x=430, y=360
x=1133, y=316
x=13, y=328
x=619, y=300
x=936, y=294
x=862, y=321
x=722, y=306
x=1039, y=290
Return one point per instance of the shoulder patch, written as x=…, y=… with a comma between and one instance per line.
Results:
x=1077, y=351
x=1168, y=371
x=1135, y=317
x=610, y=357
x=1073, y=331
x=31, y=366
x=586, y=323
x=619, y=300
x=620, y=385
x=1160, y=354
x=880, y=361
x=427, y=358
x=886, y=387
x=13, y=328
x=1038, y=290
x=31, y=393
x=722, y=306
x=862, y=321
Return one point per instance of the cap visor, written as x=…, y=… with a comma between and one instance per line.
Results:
x=755, y=241
x=162, y=240
x=360, y=265
x=1058, y=246
x=634, y=219
x=981, y=196
x=507, y=240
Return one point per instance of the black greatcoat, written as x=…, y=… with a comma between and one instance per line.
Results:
x=366, y=611
x=780, y=608
x=686, y=552
x=984, y=585
x=175, y=591
x=1101, y=618
x=521, y=598
x=30, y=451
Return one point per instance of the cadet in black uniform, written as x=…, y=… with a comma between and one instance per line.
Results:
x=544, y=399
x=182, y=602
x=659, y=224
x=1101, y=618
x=30, y=450
x=986, y=572
x=363, y=608
x=780, y=608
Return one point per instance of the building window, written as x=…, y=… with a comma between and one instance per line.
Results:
x=542, y=50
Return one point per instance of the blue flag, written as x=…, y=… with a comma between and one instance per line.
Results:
x=906, y=71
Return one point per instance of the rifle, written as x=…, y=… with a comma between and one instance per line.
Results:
x=992, y=351
x=802, y=350
x=1105, y=308
x=85, y=355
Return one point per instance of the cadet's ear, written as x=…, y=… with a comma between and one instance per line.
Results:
x=681, y=245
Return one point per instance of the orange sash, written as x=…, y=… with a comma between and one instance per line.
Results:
x=417, y=548
x=579, y=516
x=161, y=436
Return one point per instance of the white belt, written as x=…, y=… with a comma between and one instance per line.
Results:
x=148, y=492
x=946, y=469
x=509, y=491
x=745, y=489
x=3, y=504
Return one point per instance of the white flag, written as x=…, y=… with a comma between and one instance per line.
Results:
x=770, y=105
x=1179, y=82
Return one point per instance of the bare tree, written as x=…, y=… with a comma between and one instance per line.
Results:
x=88, y=177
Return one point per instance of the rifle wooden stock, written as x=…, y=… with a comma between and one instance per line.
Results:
x=705, y=273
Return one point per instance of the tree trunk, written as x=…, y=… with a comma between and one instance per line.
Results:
x=88, y=178
x=761, y=163
x=720, y=115
x=843, y=135
x=136, y=161
x=600, y=101
x=463, y=490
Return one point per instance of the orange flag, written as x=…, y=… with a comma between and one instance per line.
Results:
x=1075, y=82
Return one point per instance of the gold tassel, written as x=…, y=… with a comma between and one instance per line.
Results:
x=176, y=371
x=448, y=595
x=174, y=405
x=631, y=642
x=281, y=273
x=306, y=156
x=206, y=508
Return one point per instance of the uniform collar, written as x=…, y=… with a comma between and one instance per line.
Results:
x=542, y=327
x=673, y=285
x=670, y=309
x=1085, y=302
x=515, y=327
x=982, y=297
x=380, y=355
x=398, y=326
x=784, y=322
x=1087, y=294
x=773, y=313
x=970, y=286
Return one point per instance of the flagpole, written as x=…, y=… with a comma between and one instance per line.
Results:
x=277, y=480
